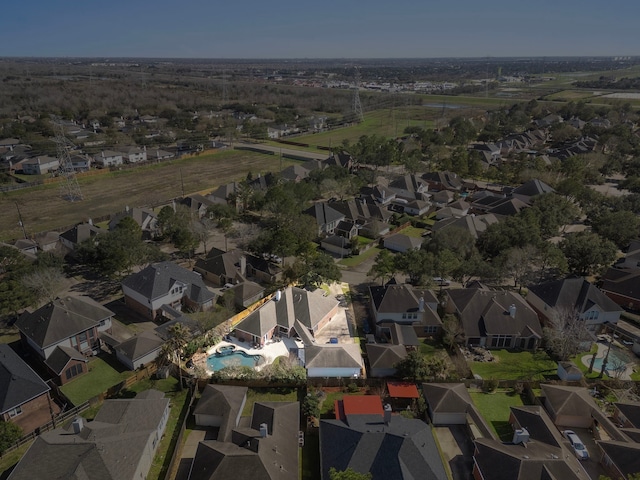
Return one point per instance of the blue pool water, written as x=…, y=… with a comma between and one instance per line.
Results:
x=611, y=362
x=234, y=359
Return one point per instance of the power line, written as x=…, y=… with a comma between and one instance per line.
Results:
x=357, y=106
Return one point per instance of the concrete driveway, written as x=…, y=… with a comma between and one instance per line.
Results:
x=457, y=450
x=592, y=466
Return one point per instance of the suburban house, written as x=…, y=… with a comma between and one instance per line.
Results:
x=139, y=350
x=621, y=460
x=134, y=154
x=108, y=158
x=24, y=397
x=327, y=218
x=575, y=407
x=528, y=190
x=40, y=165
x=385, y=444
x=48, y=241
x=495, y=319
x=627, y=414
x=247, y=293
x=575, y=296
x=221, y=406
x=536, y=452
x=409, y=187
x=166, y=283
x=475, y=225
x=403, y=305
x=369, y=217
x=263, y=447
x=383, y=358
x=437, y=181
x=451, y=404
x=400, y=242
x=292, y=311
x=220, y=267
x=79, y=234
x=81, y=163
x=62, y=328
x=145, y=218
x=622, y=285
x=332, y=360
x=119, y=444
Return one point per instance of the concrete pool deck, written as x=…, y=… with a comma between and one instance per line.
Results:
x=603, y=347
x=270, y=351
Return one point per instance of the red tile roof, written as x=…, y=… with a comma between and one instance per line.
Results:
x=402, y=390
x=358, y=405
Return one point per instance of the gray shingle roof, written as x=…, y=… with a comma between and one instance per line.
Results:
x=156, y=280
x=222, y=401
x=61, y=357
x=108, y=448
x=250, y=456
x=18, y=382
x=61, y=319
x=403, y=449
x=333, y=356
x=385, y=356
x=140, y=345
x=486, y=312
x=572, y=293
x=447, y=397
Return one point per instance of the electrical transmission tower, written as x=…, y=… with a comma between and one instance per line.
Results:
x=225, y=92
x=357, y=106
x=70, y=188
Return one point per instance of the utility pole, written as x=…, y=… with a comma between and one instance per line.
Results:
x=20, y=221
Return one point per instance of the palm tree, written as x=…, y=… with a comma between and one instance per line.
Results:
x=172, y=350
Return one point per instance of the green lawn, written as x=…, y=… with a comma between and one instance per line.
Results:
x=516, y=366
x=104, y=372
x=8, y=334
x=268, y=395
x=326, y=407
x=412, y=232
x=10, y=459
x=358, y=259
x=494, y=407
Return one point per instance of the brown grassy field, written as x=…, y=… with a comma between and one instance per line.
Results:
x=43, y=208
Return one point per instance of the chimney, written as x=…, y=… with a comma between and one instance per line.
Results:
x=278, y=295
x=521, y=435
x=512, y=310
x=126, y=208
x=77, y=425
x=90, y=222
x=387, y=414
x=421, y=304
x=264, y=430
x=243, y=265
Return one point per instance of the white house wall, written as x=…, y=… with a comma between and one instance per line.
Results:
x=333, y=372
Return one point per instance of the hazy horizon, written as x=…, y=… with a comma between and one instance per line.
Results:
x=196, y=29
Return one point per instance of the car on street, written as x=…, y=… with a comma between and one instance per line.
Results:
x=578, y=447
x=443, y=282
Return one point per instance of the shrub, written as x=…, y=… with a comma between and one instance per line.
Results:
x=352, y=388
x=490, y=385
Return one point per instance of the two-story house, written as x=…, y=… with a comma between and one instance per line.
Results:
x=166, y=283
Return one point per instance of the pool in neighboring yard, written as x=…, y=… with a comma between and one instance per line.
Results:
x=219, y=361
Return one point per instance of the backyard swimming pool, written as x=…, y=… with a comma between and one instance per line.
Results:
x=219, y=361
x=613, y=363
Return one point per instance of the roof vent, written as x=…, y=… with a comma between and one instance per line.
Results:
x=264, y=430
x=521, y=435
x=77, y=425
x=512, y=310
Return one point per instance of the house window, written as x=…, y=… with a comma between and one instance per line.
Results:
x=73, y=370
x=501, y=341
x=404, y=316
x=103, y=323
x=15, y=412
x=74, y=341
x=430, y=329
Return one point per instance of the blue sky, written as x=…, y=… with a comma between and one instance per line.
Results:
x=319, y=29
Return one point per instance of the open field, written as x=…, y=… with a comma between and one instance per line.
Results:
x=43, y=209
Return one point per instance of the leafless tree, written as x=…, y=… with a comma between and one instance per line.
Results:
x=44, y=283
x=566, y=333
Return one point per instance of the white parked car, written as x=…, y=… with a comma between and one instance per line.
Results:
x=578, y=447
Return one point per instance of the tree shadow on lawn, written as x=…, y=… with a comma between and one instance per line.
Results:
x=503, y=429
